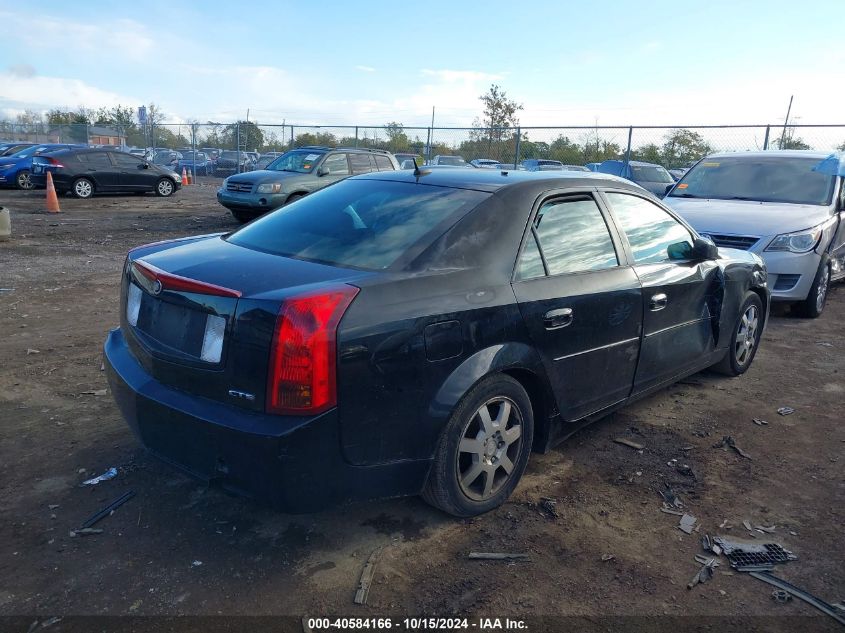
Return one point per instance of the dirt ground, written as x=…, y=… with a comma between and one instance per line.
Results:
x=603, y=548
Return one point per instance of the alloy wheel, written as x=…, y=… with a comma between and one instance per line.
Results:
x=25, y=180
x=746, y=336
x=83, y=189
x=165, y=187
x=489, y=446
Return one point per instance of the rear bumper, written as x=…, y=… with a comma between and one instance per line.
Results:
x=294, y=464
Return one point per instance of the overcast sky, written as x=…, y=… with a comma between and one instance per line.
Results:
x=370, y=62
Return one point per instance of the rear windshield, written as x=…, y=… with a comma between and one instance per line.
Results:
x=366, y=224
x=649, y=173
x=451, y=160
x=762, y=179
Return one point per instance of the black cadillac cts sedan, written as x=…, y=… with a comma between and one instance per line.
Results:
x=403, y=333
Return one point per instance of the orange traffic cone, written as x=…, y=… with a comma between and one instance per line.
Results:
x=52, y=199
x=185, y=180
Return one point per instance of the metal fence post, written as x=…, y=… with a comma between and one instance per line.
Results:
x=238, y=144
x=291, y=137
x=356, y=136
x=628, y=150
x=766, y=140
x=516, y=150
x=87, y=135
x=428, y=146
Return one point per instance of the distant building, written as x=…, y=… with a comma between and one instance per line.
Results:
x=101, y=135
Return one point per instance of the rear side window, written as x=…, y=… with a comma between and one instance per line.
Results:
x=361, y=163
x=336, y=165
x=573, y=237
x=97, y=160
x=654, y=235
x=125, y=160
x=383, y=163
x=366, y=224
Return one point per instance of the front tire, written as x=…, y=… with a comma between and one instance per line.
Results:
x=813, y=305
x=293, y=198
x=24, y=180
x=745, y=338
x=483, y=450
x=242, y=216
x=164, y=187
x=82, y=188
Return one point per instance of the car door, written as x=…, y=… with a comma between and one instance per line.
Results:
x=580, y=302
x=361, y=163
x=682, y=298
x=837, y=246
x=134, y=173
x=98, y=167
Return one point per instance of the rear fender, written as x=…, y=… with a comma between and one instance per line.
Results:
x=519, y=360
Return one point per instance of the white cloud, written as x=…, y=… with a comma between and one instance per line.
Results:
x=121, y=37
x=365, y=69
x=38, y=92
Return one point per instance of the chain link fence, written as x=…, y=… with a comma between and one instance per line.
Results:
x=672, y=147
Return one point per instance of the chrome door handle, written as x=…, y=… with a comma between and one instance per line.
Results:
x=555, y=319
x=658, y=302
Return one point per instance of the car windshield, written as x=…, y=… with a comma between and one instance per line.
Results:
x=301, y=161
x=231, y=155
x=788, y=179
x=366, y=224
x=650, y=173
x=451, y=160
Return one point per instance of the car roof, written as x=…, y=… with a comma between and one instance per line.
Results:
x=491, y=180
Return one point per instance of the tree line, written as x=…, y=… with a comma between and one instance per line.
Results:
x=496, y=134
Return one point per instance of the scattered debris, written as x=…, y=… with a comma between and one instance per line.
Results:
x=607, y=557
x=96, y=392
x=824, y=344
x=687, y=523
x=548, y=505
x=779, y=595
x=627, y=442
x=747, y=525
x=760, y=422
x=114, y=505
x=685, y=470
x=745, y=553
x=84, y=532
x=111, y=473
x=672, y=500
x=668, y=510
x=728, y=441
x=196, y=563
x=367, y=577
x=768, y=530
x=786, y=411
x=725, y=525
x=52, y=506
x=705, y=573
x=809, y=598
x=29, y=351
x=497, y=556
x=706, y=544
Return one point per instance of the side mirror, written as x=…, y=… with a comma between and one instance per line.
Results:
x=668, y=189
x=704, y=249
x=323, y=171
x=144, y=166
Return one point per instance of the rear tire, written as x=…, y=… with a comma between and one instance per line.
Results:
x=82, y=188
x=813, y=305
x=483, y=450
x=745, y=338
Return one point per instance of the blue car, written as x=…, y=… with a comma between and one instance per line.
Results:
x=649, y=176
x=196, y=163
x=16, y=169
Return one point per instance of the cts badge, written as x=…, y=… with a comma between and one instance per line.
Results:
x=243, y=395
x=156, y=287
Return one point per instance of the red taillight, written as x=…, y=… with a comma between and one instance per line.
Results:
x=302, y=378
x=54, y=162
x=169, y=281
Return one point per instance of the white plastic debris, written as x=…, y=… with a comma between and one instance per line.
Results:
x=111, y=473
